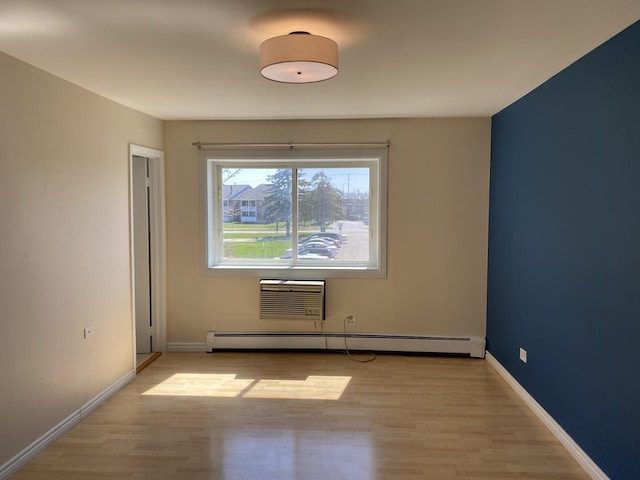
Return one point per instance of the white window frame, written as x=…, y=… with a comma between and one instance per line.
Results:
x=212, y=211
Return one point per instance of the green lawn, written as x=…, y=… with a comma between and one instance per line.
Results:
x=257, y=249
x=266, y=228
x=252, y=226
x=233, y=236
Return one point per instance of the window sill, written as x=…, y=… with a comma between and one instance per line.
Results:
x=294, y=272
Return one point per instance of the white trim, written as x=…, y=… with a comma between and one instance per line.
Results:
x=212, y=213
x=574, y=449
x=22, y=458
x=158, y=244
x=186, y=347
x=159, y=253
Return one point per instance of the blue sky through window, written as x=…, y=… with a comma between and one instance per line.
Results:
x=344, y=179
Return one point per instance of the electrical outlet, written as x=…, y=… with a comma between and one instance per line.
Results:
x=523, y=355
x=350, y=320
x=88, y=331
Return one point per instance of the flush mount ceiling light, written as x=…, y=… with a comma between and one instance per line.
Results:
x=299, y=58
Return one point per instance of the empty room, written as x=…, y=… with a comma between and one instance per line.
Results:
x=311, y=239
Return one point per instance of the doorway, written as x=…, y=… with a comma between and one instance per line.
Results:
x=147, y=253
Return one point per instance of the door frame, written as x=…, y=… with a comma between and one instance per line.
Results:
x=158, y=257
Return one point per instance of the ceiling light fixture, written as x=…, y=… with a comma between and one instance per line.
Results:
x=299, y=58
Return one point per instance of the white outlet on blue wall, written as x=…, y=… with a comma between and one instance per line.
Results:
x=523, y=355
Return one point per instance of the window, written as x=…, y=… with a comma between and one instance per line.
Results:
x=295, y=214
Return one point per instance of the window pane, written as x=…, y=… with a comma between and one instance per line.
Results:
x=295, y=212
x=257, y=216
x=333, y=209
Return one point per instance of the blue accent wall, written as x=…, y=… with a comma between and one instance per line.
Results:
x=564, y=249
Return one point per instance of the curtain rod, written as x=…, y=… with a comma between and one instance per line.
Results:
x=291, y=145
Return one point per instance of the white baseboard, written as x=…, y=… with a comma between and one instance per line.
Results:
x=574, y=449
x=472, y=346
x=186, y=347
x=30, y=452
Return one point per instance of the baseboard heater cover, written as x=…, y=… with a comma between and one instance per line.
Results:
x=472, y=346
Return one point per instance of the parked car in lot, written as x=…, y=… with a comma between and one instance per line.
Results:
x=319, y=242
x=305, y=256
x=340, y=237
x=318, y=249
x=313, y=246
x=329, y=242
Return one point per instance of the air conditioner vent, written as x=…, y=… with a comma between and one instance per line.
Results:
x=292, y=299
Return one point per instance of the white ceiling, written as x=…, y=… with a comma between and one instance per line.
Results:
x=198, y=59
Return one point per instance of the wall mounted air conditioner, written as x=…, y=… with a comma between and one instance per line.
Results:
x=292, y=299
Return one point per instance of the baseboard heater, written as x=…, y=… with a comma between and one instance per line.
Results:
x=472, y=346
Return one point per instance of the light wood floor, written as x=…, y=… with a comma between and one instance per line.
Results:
x=143, y=360
x=294, y=416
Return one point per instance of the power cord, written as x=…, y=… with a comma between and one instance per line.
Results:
x=372, y=357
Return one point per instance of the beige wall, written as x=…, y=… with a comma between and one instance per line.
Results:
x=64, y=240
x=64, y=248
x=438, y=196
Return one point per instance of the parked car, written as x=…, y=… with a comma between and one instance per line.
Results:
x=314, y=256
x=304, y=256
x=342, y=238
x=314, y=246
x=315, y=250
x=329, y=242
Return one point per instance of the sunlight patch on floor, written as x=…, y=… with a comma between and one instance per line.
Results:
x=314, y=387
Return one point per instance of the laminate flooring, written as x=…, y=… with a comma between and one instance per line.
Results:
x=308, y=416
x=143, y=360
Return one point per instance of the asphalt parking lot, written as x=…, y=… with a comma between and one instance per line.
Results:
x=357, y=245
